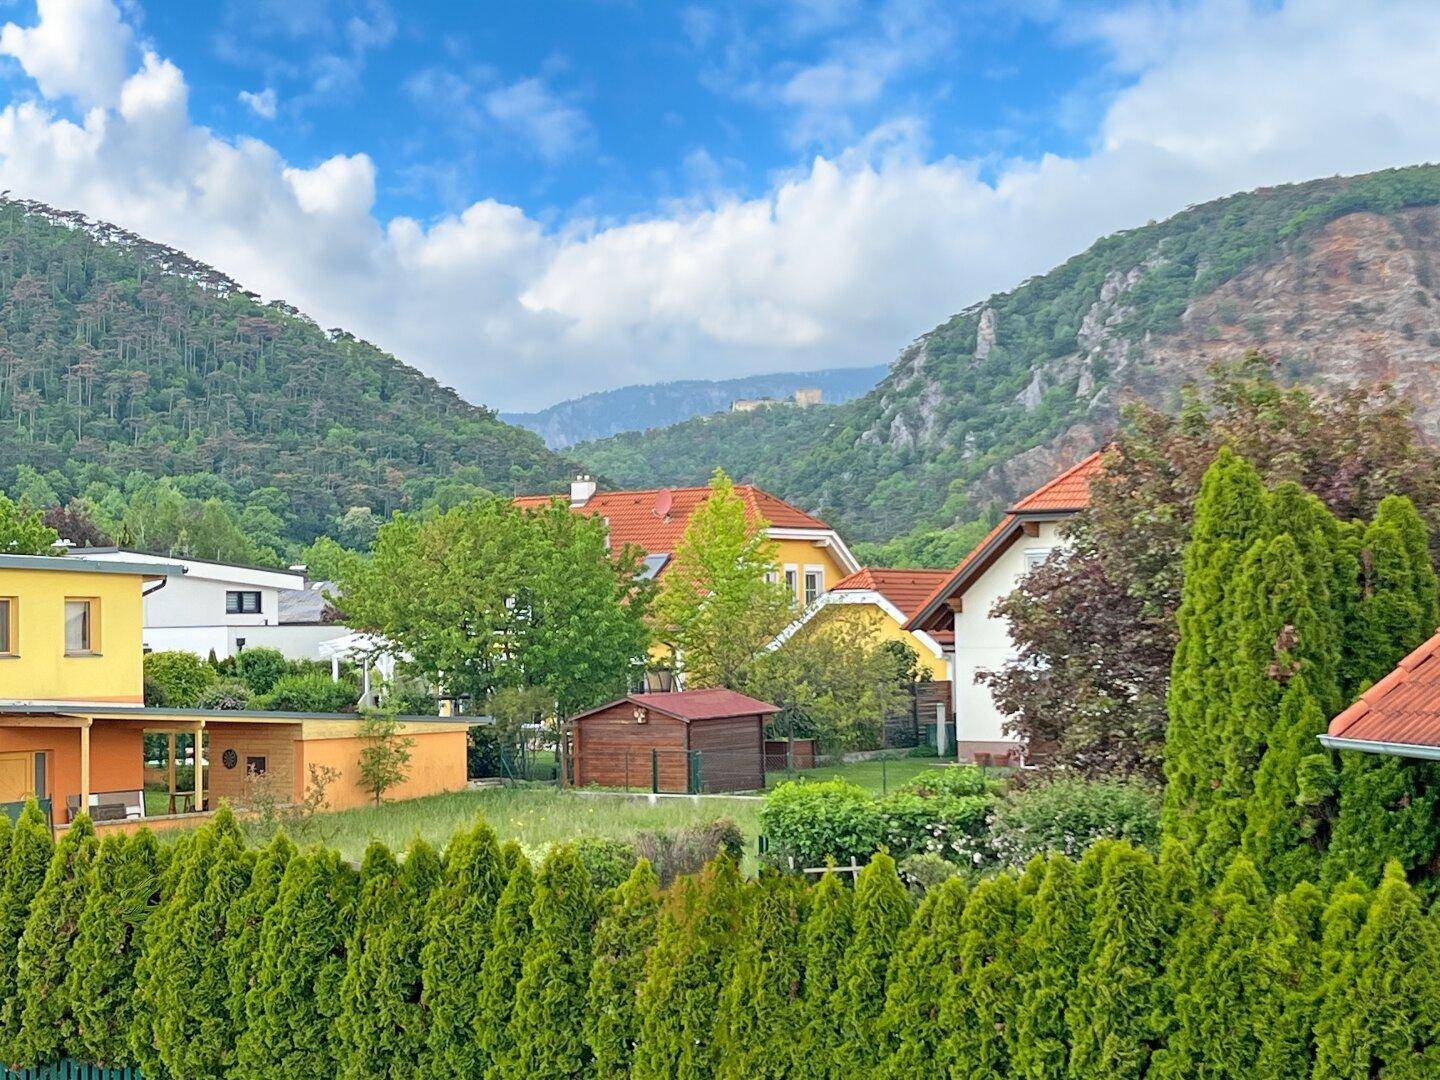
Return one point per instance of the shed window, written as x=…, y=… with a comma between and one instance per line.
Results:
x=254, y=766
x=80, y=636
x=242, y=602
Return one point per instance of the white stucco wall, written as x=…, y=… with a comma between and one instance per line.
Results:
x=982, y=642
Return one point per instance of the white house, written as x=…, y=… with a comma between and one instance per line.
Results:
x=958, y=613
x=227, y=608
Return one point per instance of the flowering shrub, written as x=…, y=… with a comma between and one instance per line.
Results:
x=951, y=826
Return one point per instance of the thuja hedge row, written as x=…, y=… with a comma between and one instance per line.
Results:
x=209, y=960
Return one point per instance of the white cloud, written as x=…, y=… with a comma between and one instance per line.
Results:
x=79, y=49
x=841, y=262
x=531, y=110
x=264, y=104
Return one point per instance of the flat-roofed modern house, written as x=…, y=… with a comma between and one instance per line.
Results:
x=225, y=608
x=958, y=612
x=73, y=720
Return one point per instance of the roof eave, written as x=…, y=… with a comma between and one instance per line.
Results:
x=1390, y=749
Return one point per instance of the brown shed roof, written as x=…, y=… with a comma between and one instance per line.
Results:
x=691, y=705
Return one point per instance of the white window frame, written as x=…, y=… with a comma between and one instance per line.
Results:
x=818, y=572
x=1034, y=557
x=792, y=580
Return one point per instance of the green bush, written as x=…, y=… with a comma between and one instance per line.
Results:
x=954, y=780
x=923, y=872
x=608, y=862
x=229, y=694
x=311, y=692
x=260, y=669
x=175, y=679
x=811, y=823
x=1067, y=815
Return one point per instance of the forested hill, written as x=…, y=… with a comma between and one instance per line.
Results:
x=638, y=408
x=121, y=357
x=1336, y=278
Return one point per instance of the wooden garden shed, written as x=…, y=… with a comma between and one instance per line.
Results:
x=688, y=741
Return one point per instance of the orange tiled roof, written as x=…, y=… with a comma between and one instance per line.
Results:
x=1403, y=707
x=633, y=516
x=1068, y=491
x=906, y=589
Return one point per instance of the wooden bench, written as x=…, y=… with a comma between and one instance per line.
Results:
x=111, y=805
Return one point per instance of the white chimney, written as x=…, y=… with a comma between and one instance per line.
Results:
x=581, y=488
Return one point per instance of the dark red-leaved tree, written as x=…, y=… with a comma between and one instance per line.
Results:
x=1094, y=627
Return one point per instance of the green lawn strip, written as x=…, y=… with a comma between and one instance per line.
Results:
x=871, y=775
x=536, y=817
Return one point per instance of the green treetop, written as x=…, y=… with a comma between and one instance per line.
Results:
x=1056, y=943
x=1384, y=1006
x=980, y=1019
x=622, y=941
x=46, y=1025
x=546, y=1037
x=500, y=971
x=690, y=963
x=22, y=530
x=763, y=994
x=458, y=925
x=882, y=911
x=1117, y=1010
x=829, y=929
x=26, y=864
x=292, y=1009
x=1217, y=980
x=1230, y=515
x=721, y=599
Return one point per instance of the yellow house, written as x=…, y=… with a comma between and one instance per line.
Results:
x=885, y=599
x=811, y=555
x=73, y=719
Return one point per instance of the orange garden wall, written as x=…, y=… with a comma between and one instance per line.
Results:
x=437, y=763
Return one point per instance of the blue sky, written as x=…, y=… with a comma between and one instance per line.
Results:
x=607, y=108
x=532, y=201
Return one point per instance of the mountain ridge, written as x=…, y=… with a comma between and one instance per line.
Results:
x=1333, y=276
x=643, y=406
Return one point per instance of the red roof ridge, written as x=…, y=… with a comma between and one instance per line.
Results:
x=1072, y=487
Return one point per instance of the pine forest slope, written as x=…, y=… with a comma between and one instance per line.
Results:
x=118, y=356
x=639, y=408
x=1336, y=278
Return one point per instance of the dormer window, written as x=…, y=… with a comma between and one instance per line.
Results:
x=242, y=602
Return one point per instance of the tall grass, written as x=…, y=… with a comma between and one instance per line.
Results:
x=536, y=817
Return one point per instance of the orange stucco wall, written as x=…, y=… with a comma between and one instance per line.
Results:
x=116, y=757
x=437, y=763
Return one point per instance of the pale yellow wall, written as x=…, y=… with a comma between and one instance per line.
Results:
x=41, y=670
x=888, y=629
x=803, y=553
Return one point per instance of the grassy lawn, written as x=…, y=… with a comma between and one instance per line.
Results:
x=536, y=817
x=876, y=776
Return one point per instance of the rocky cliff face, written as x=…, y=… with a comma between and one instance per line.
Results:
x=1356, y=302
